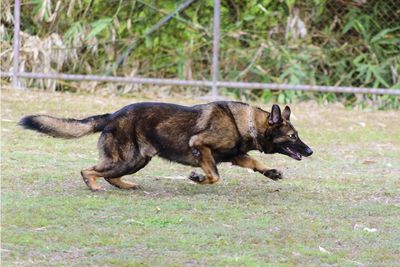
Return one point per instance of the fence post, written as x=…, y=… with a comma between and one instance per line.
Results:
x=214, y=90
x=15, y=72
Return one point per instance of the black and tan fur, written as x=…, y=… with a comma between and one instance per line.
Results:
x=200, y=136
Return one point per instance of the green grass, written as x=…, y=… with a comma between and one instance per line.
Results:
x=49, y=217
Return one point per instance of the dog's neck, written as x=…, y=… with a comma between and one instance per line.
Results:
x=245, y=120
x=252, y=129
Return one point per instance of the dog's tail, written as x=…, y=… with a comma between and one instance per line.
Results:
x=65, y=128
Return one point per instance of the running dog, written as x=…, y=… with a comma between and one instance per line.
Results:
x=199, y=136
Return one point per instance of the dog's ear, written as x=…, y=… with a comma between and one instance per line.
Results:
x=275, y=117
x=286, y=113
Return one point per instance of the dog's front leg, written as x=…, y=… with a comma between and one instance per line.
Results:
x=207, y=163
x=246, y=161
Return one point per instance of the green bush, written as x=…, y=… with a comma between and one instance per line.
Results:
x=348, y=43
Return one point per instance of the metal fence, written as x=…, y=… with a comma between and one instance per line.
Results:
x=214, y=84
x=388, y=14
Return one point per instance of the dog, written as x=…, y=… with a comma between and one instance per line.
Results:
x=200, y=136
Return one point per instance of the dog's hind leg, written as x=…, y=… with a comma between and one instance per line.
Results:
x=90, y=176
x=207, y=163
x=117, y=182
x=246, y=161
x=112, y=173
x=120, y=156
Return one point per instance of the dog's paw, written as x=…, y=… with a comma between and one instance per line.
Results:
x=137, y=187
x=98, y=189
x=273, y=174
x=132, y=187
x=197, y=178
x=196, y=153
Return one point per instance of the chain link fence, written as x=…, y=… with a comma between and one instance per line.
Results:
x=380, y=14
x=316, y=45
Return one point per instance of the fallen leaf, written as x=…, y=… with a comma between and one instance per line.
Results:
x=358, y=226
x=274, y=229
x=356, y=262
x=41, y=228
x=134, y=221
x=323, y=250
x=370, y=230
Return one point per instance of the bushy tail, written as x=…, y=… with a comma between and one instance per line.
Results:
x=65, y=128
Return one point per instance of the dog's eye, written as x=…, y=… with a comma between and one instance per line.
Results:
x=292, y=136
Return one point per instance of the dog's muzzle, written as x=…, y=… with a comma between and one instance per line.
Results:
x=308, y=152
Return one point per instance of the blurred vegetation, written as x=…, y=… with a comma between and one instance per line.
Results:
x=324, y=42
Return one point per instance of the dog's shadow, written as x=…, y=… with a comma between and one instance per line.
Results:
x=163, y=188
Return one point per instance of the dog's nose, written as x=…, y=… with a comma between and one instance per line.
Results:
x=309, y=151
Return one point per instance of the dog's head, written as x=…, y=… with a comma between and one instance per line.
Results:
x=282, y=136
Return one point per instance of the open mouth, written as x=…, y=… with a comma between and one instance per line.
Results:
x=293, y=154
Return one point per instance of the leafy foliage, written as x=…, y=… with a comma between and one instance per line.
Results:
x=342, y=43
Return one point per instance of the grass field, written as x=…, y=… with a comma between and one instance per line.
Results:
x=340, y=207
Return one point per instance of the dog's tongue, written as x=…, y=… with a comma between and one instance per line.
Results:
x=295, y=155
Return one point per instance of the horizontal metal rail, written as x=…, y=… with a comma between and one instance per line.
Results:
x=226, y=84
